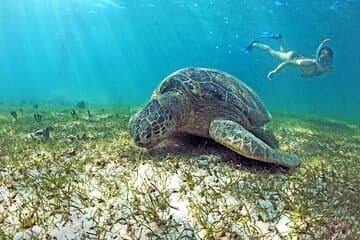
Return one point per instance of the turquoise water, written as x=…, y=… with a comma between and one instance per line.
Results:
x=112, y=51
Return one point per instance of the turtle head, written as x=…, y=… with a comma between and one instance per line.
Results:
x=152, y=124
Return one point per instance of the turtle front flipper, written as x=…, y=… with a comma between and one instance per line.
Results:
x=266, y=136
x=240, y=140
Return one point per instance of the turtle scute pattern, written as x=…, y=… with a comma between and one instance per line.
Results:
x=218, y=93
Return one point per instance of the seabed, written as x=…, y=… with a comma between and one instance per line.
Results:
x=88, y=180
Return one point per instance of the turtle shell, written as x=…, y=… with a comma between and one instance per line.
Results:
x=215, y=94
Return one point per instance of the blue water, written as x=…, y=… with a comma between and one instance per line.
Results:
x=113, y=51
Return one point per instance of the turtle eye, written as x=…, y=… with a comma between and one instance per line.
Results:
x=148, y=134
x=136, y=138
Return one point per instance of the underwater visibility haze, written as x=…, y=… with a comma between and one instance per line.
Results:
x=84, y=153
x=112, y=51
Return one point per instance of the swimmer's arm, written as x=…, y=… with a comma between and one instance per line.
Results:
x=299, y=63
x=280, y=67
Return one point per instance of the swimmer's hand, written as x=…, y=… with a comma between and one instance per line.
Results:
x=271, y=74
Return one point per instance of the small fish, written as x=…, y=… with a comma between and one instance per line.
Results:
x=45, y=132
x=89, y=114
x=81, y=104
x=38, y=117
x=73, y=113
x=14, y=115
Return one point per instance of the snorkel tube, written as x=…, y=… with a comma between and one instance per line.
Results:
x=318, y=50
x=324, y=61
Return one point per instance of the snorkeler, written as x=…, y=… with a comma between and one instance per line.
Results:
x=310, y=67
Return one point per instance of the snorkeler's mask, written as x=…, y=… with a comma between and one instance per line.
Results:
x=325, y=56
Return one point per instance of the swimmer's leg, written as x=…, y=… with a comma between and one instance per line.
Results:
x=282, y=56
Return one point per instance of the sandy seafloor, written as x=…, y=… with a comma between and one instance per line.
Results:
x=88, y=180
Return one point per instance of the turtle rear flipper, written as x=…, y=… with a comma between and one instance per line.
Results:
x=240, y=140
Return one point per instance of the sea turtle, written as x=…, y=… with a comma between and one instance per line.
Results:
x=212, y=104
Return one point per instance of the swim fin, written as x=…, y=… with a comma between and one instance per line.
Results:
x=248, y=48
x=271, y=35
